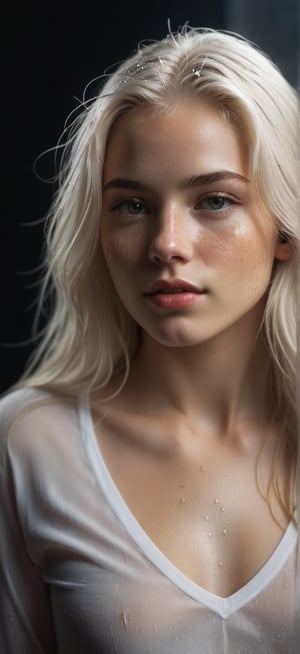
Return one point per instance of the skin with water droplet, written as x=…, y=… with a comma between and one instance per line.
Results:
x=125, y=620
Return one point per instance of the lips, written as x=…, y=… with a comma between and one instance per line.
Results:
x=173, y=286
x=175, y=294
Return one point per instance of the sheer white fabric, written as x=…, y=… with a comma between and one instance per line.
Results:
x=78, y=573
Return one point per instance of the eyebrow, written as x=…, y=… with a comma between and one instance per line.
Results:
x=191, y=182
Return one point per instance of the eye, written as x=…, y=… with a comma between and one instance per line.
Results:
x=131, y=206
x=215, y=202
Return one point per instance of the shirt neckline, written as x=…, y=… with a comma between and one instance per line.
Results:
x=224, y=606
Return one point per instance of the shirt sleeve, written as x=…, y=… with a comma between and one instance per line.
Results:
x=25, y=613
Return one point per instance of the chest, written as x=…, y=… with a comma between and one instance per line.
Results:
x=206, y=512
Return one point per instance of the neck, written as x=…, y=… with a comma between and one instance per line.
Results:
x=220, y=382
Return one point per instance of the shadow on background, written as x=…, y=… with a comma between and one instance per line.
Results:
x=52, y=51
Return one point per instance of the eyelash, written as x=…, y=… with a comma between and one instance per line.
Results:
x=214, y=197
x=125, y=203
x=145, y=209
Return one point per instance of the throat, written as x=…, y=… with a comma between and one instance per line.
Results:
x=207, y=382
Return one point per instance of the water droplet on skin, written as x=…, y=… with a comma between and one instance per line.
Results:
x=155, y=628
x=219, y=563
x=224, y=532
x=182, y=484
x=222, y=509
x=182, y=500
x=179, y=617
x=217, y=500
x=206, y=518
x=210, y=533
x=124, y=616
x=203, y=468
x=219, y=485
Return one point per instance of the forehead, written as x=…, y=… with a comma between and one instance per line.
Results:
x=186, y=114
x=189, y=138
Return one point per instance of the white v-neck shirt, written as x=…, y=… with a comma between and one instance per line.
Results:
x=79, y=575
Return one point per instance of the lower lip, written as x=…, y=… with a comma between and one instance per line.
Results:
x=175, y=300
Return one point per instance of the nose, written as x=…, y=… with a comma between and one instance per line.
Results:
x=171, y=240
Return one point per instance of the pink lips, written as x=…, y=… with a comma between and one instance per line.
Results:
x=174, y=294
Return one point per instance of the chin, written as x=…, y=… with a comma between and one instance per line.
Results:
x=179, y=339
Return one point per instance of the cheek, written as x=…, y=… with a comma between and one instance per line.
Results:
x=244, y=243
x=120, y=254
x=241, y=253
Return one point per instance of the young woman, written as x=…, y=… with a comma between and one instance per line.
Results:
x=148, y=461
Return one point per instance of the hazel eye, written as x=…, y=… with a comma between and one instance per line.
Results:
x=215, y=203
x=132, y=207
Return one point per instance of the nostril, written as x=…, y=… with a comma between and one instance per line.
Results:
x=155, y=258
x=163, y=251
x=165, y=258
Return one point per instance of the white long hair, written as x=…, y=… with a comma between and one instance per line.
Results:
x=89, y=334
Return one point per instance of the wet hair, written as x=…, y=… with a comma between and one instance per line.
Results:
x=89, y=335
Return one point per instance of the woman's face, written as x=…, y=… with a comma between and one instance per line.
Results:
x=187, y=241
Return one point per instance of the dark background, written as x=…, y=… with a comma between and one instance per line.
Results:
x=50, y=52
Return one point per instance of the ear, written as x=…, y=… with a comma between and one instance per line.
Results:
x=284, y=248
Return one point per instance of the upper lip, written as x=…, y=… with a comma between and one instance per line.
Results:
x=173, y=285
